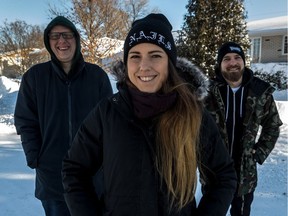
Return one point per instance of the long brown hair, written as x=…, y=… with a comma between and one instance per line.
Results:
x=177, y=140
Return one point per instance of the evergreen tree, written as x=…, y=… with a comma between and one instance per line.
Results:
x=207, y=25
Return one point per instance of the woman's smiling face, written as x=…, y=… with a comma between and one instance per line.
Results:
x=147, y=66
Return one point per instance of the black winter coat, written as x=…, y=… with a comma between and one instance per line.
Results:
x=49, y=110
x=112, y=137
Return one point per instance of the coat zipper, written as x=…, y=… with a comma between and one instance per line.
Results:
x=69, y=113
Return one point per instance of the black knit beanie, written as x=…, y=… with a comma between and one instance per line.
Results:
x=229, y=47
x=155, y=29
x=61, y=20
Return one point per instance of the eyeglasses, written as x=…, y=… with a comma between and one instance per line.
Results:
x=65, y=35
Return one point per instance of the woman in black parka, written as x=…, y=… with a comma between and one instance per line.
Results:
x=150, y=138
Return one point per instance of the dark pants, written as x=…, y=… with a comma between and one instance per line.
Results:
x=241, y=206
x=55, y=208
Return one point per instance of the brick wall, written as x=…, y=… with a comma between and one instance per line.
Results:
x=272, y=49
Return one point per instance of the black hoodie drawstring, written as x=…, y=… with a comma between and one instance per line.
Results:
x=241, y=102
x=227, y=103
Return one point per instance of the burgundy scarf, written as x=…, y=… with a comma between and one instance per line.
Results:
x=150, y=104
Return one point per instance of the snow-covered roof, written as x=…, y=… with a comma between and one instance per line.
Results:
x=114, y=45
x=268, y=27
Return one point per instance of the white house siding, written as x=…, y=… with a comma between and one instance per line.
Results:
x=272, y=32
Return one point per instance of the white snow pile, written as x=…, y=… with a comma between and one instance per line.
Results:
x=271, y=68
x=8, y=96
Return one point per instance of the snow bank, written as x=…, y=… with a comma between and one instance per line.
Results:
x=8, y=94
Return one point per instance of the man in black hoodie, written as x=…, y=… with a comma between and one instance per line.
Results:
x=240, y=104
x=53, y=100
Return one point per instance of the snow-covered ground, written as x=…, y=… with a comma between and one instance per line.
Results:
x=17, y=180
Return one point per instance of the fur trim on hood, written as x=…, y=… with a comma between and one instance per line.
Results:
x=194, y=76
x=198, y=82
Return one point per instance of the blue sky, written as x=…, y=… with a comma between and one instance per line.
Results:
x=36, y=11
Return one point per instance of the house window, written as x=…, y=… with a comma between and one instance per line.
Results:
x=255, y=49
x=285, y=52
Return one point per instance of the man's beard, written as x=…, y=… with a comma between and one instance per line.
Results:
x=232, y=76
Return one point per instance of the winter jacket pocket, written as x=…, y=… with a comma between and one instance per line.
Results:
x=32, y=159
x=33, y=163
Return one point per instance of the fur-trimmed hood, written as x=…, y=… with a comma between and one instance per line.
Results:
x=192, y=74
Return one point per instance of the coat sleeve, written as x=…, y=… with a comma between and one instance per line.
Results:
x=270, y=123
x=80, y=165
x=217, y=173
x=26, y=119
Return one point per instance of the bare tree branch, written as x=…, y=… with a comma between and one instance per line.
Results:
x=19, y=42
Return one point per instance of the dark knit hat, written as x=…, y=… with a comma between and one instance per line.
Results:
x=61, y=20
x=229, y=47
x=155, y=29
